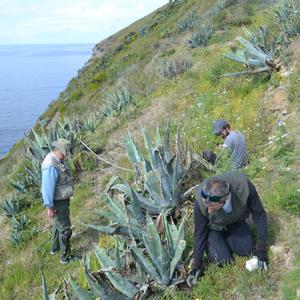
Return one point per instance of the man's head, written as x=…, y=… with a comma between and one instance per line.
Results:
x=214, y=194
x=62, y=148
x=221, y=128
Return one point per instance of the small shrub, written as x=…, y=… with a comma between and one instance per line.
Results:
x=201, y=38
x=288, y=17
x=93, y=86
x=167, y=53
x=99, y=76
x=189, y=22
x=291, y=202
x=84, y=161
x=11, y=206
x=130, y=37
x=166, y=33
x=75, y=95
x=146, y=29
x=20, y=231
x=117, y=101
x=171, y=68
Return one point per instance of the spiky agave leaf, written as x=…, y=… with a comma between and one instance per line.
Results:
x=124, y=220
x=164, y=256
x=11, y=206
x=161, y=173
x=101, y=289
x=288, y=17
x=20, y=223
x=257, y=55
x=201, y=37
x=46, y=295
x=123, y=285
x=16, y=237
x=79, y=292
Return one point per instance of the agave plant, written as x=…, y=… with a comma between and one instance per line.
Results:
x=20, y=223
x=153, y=264
x=201, y=37
x=39, y=146
x=116, y=280
x=160, y=258
x=126, y=220
x=256, y=54
x=288, y=16
x=161, y=173
x=189, y=22
x=11, y=206
x=217, y=8
x=171, y=68
x=117, y=101
x=16, y=237
x=91, y=122
x=45, y=293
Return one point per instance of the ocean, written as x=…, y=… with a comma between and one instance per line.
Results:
x=31, y=76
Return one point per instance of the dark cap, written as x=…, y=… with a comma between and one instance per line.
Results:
x=218, y=125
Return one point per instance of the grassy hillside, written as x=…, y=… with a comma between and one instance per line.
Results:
x=163, y=77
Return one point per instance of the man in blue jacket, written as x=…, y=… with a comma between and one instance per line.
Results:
x=222, y=204
x=57, y=188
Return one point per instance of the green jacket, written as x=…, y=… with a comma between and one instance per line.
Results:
x=219, y=220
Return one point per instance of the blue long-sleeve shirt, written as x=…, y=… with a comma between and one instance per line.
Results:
x=49, y=179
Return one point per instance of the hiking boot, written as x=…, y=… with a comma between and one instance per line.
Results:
x=67, y=259
x=54, y=251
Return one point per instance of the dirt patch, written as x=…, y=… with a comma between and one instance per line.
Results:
x=151, y=116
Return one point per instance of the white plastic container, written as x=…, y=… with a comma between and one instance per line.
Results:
x=252, y=264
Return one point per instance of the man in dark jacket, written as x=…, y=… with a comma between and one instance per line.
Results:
x=222, y=204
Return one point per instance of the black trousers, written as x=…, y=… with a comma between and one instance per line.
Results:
x=222, y=244
x=61, y=230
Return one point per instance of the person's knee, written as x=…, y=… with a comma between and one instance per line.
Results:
x=246, y=251
x=66, y=235
x=219, y=257
x=244, y=247
x=240, y=240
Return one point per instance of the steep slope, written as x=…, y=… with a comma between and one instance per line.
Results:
x=192, y=96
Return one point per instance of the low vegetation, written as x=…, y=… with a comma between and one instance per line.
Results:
x=144, y=227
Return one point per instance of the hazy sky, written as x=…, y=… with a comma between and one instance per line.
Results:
x=68, y=21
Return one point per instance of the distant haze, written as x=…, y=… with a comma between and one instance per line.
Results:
x=68, y=21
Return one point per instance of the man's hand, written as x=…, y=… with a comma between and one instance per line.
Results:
x=51, y=212
x=262, y=259
x=193, y=277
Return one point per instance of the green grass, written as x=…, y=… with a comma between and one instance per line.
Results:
x=290, y=285
x=194, y=99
